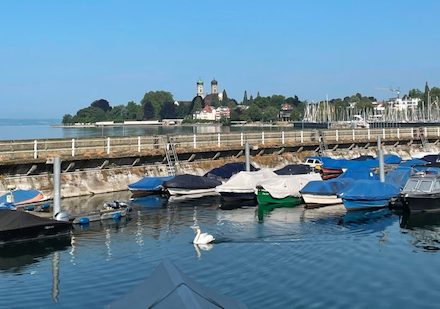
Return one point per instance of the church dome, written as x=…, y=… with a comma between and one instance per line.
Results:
x=214, y=82
x=200, y=82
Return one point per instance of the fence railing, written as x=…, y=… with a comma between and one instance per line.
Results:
x=106, y=146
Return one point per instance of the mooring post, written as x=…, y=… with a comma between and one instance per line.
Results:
x=337, y=135
x=383, y=133
x=426, y=132
x=139, y=144
x=354, y=136
x=218, y=139
x=282, y=137
x=302, y=137
x=412, y=132
x=56, y=186
x=194, y=141
x=438, y=132
x=247, y=154
x=73, y=147
x=262, y=138
x=108, y=145
x=35, y=149
x=398, y=133
x=381, y=162
x=369, y=134
x=241, y=139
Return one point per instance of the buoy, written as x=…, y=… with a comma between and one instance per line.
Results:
x=117, y=216
x=45, y=206
x=29, y=208
x=84, y=220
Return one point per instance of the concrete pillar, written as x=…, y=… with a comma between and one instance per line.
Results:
x=195, y=141
x=247, y=153
x=218, y=140
x=139, y=144
x=282, y=137
x=73, y=147
x=108, y=145
x=56, y=186
x=262, y=138
x=35, y=149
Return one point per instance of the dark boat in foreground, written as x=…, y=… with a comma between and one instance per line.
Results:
x=20, y=226
x=422, y=193
x=168, y=287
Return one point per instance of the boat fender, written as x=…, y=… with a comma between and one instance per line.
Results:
x=29, y=208
x=84, y=220
x=45, y=206
x=117, y=215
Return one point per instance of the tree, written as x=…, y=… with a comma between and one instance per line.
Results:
x=118, y=113
x=277, y=100
x=168, y=111
x=415, y=93
x=196, y=104
x=225, y=99
x=134, y=111
x=183, y=109
x=148, y=110
x=215, y=102
x=90, y=115
x=426, y=95
x=102, y=104
x=67, y=119
x=253, y=113
x=157, y=99
x=245, y=98
x=270, y=114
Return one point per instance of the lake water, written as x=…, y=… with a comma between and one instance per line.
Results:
x=280, y=258
x=11, y=129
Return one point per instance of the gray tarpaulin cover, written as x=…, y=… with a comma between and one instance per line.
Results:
x=168, y=287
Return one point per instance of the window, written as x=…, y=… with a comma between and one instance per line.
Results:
x=411, y=185
x=436, y=186
x=425, y=185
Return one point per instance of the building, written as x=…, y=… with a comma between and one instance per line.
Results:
x=285, y=112
x=404, y=103
x=200, y=90
x=212, y=114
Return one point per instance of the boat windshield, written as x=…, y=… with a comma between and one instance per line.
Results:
x=411, y=185
x=425, y=185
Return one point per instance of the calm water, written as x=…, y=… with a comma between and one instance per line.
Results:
x=284, y=258
x=11, y=129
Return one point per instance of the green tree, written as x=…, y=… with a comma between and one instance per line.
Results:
x=183, y=110
x=270, y=114
x=134, y=111
x=168, y=111
x=196, y=104
x=215, y=102
x=90, y=115
x=426, y=95
x=148, y=111
x=157, y=99
x=67, y=119
x=253, y=113
x=102, y=104
x=118, y=113
x=225, y=99
x=245, y=99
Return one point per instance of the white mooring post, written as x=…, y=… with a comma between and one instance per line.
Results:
x=383, y=133
x=412, y=132
x=381, y=163
x=247, y=154
x=139, y=144
x=195, y=141
x=302, y=137
x=337, y=135
x=426, y=132
x=108, y=145
x=282, y=137
x=438, y=132
x=218, y=140
x=354, y=135
x=262, y=138
x=369, y=134
x=35, y=149
x=56, y=186
x=241, y=139
x=73, y=147
x=398, y=133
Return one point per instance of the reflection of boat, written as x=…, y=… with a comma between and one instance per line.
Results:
x=420, y=220
x=111, y=210
x=424, y=227
x=168, y=287
x=191, y=184
x=19, y=226
x=151, y=201
x=14, y=256
x=148, y=185
x=369, y=220
x=422, y=193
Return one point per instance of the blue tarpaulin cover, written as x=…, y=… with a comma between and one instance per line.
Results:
x=391, y=159
x=21, y=196
x=346, y=164
x=327, y=187
x=228, y=170
x=412, y=162
x=149, y=183
x=398, y=177
x=371, y=190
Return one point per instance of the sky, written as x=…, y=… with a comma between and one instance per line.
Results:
x=59, y=56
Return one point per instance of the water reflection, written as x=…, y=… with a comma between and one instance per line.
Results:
x=424, y=228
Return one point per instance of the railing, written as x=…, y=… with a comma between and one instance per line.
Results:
x=118, y=146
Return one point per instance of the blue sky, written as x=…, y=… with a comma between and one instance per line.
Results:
x=58, y=56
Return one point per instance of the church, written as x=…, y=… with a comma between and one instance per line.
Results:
x=208, y=98
x=209, y=112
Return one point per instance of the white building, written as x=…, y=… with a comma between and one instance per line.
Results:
x=212, y=114
x=405, y=103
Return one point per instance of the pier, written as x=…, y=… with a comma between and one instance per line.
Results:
x=99, y=165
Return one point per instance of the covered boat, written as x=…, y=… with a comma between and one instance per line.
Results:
x=21, y=197
x=187, y=184
x=322, y=193
x=168, y=287
x=294, y=169
x=20, y=225
x=241, y=186
x=283, y=190
x=366, y=194
x=422, y=193
x=148, y=185
x=226, y=171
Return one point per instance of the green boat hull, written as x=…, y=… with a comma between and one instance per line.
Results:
x=264, y=198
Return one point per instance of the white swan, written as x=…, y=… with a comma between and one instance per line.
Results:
x=201, y=238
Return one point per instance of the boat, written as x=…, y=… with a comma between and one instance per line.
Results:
x=23, y=197
x=148, y=185
x=294, y=169
x=368, y=194
x=18, y=226
x=325, y=192
x=241, y=186
x=226, y=171
x=111, y=210
x=283, y=190
x=187, y=184
x=422, y=193
x=168, y=287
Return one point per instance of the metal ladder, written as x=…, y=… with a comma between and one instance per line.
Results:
x=172, y=159
x=322, y=144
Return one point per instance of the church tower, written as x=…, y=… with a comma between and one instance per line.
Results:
x=214, y=87
x=200, y=88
